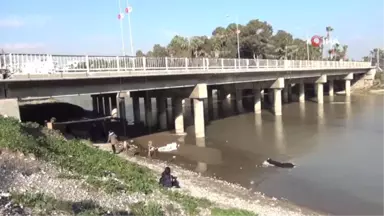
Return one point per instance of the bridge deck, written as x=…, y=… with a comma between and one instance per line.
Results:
x=31, y=66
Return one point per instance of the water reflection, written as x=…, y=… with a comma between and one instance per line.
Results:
x=280, y=135
x=302, y=111
x=320, y=115
x=259, y=126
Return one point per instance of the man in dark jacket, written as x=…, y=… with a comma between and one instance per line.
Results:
x=167, y=180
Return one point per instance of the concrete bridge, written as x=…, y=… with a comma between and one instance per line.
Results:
x=108, y=79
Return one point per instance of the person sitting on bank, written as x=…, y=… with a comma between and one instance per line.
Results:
x=112, y=139
x=167, y=180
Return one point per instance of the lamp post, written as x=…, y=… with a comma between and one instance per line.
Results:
x=238, y=37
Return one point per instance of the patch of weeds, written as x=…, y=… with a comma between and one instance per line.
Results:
x=231, y=212
x=109, y=185
x=172, y=210
x=73, y=155
x=46, y=205
x=149, y=209
x=69, y=176
x=189, y=203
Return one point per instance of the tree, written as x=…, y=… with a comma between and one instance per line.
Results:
x=256, y=40
x=139, y=53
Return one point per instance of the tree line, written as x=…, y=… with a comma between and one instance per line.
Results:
x=256, y=40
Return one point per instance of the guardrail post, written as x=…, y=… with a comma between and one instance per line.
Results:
x=222, y=64
x=257, y=63
x=207, y=63
x=166, y=63
x=87, y=63
x=118, y=63
x=247, y=62
x=186, y=63
x=10, y=63
x=300, y=63
x=144, y=63
x=267, y=64
x=203, y=64
x=235, y=62
x=277, y=63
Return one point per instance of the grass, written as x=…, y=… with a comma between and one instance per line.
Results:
x=231, y=212
x=46, y=205
x=189, y=203
x=74, y=155
x=69, y=176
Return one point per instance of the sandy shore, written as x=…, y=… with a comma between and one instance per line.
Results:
x=224, y=194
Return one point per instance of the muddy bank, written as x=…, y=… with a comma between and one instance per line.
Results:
x=225, y=194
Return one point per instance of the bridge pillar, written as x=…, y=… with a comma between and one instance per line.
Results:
x=301, y=92
x=239, y=100
x=94, y=104
x=348, y=79
x=257, y=98
x=285, y=94
x=162, y=112
x=148, y=110
x=198, y=94
x=121, y=105
x=107, y=104
x=320, y=88
x=179, y=118
x=100, y=104
x=277, y=87
x=136, y=109
x=210, y=103
x=331, y=90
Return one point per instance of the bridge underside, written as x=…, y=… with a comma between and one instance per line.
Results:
x=62, y=87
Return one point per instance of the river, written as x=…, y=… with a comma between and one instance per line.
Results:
x=337, y=147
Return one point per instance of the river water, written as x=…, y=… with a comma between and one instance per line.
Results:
x=338, y=149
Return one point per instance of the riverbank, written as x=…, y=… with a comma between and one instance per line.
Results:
x=44, y=173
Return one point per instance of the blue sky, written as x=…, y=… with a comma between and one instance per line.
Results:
x=92, y=27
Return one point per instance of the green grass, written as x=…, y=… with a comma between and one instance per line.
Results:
x=46, y=205
x=231, y=212
x=69, y=176
x=149, y=209
x=74, y=155
x=189, y=203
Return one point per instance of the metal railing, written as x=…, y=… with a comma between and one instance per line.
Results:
x=51, y=64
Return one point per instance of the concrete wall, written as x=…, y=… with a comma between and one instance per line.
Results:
x=10, y=107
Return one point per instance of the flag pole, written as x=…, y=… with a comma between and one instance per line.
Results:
x=129, y=10
x=121, y=16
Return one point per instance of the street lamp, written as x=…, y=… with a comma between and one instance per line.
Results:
x=238, y=37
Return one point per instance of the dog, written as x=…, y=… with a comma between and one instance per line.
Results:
x=279, y=164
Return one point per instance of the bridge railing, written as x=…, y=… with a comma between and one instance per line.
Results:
x=31, y=63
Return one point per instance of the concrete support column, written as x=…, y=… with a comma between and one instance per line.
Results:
x=331, y=90
x=136, y=109
x=347, y=87
x=179, y=118
x=100, y=104
x=270, y=96
x=121, y=107
x=198, y=106
x=285, y=94
x=277, y=107
x=94, y=103
x=162, y=111
x=107, y=104
x=210, y=103
x=148, y=111
x=319, y=86
x=257, y=103
x=320, y=93
x=239, y=100
x=301, y=92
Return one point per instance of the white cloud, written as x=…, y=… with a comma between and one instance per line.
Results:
x=21, y=47
x=21, y=21
x=11, y=22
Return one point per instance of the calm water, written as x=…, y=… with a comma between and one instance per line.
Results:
x=338, y=148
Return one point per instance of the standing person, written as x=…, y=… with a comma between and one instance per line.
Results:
x=112, y=139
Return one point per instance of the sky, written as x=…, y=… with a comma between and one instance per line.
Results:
x=92, y=27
